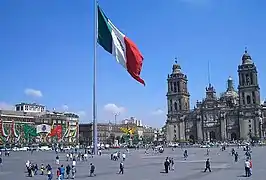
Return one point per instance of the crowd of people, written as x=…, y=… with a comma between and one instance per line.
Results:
x=68, y=170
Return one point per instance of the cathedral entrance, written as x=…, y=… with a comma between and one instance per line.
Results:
x=212, y=136
x=233, y=136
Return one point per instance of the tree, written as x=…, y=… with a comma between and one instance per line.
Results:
x=135, y=139
x=147, y=139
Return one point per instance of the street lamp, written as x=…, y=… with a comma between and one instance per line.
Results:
x=115, y=116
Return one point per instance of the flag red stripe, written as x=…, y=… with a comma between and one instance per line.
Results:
x=134, y=60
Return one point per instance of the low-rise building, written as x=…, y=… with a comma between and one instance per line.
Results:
x=33, y=123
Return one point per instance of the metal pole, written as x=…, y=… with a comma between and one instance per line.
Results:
x=94, y=108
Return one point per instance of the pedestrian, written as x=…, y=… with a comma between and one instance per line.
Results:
x=121, y=167
x=250, y=167
x=57, y=160
x=42, y=169
x=236, y=157
x=68, y=168
x=92, y=170
x=62, y=172
x=73, y=172
x=173, y=163
x=1, y=161
x=247, y=168
x=208, y=165
x=124, y=156
x=166, y=165
x=49, y=175
x=58, y=173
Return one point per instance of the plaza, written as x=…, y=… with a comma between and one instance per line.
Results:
x=139, y=165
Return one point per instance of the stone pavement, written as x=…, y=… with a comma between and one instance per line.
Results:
x=145, y=167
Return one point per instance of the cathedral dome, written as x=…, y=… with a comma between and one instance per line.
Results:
x=232, y=94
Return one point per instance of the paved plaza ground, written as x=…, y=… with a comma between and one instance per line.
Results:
x=139, y=166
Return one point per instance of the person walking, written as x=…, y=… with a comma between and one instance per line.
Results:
x=92, y=170
x=208, y=165
x=121, y=167
x=73, y=172
x=68, y=168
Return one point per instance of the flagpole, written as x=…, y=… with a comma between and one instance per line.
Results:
x=94, y=108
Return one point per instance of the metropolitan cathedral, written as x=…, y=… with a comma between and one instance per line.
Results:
x=235, y=115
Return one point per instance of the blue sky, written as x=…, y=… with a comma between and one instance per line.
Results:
x=46, y=52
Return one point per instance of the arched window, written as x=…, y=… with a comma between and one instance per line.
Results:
x=248, y=99
x=251, y=79
x=171, y=105
x=175, y=87
x=253, y=97
x=175, y=104
x=243, y=97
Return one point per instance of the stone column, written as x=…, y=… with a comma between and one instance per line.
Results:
x=182, y=130
x=199, y=129
x=223, y=127
x=244, y=129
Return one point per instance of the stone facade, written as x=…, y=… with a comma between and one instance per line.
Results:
x=236, y=114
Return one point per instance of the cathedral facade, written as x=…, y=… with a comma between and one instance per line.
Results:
x=235, y=115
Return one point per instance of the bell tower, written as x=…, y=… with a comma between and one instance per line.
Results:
x=178, y=102
x=249, y=97
x=248, y=88
x=177, y=95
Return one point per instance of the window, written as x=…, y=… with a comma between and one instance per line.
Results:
x=174, y=131
x=174, y=86
x=180, y=104
x=249, y=126
x=249, y=121
x=247, y=79
x=243, y=97
x=243, y=79
x=175, y=104
x=171, y=105
x=250, y=130
x=175, y=135
x=251, y=79
x=248, y=99
x=174, y=126
x=17, y=108
x=171, y=86
x=253, y=97
x=178, y=86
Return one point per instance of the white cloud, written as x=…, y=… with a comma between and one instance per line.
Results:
x=65, y=107
x=113, y=108
x=33, y=92
x=158, y=112
x=81, y=114
x=6, y=106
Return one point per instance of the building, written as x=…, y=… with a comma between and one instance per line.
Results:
x=236, y=114
x=15, y=125
x=132, y=120
x=109, y=132
x=30, y=107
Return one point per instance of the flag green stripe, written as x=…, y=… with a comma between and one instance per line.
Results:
x=104, y=32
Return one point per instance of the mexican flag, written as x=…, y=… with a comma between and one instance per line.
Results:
x=116, y=43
